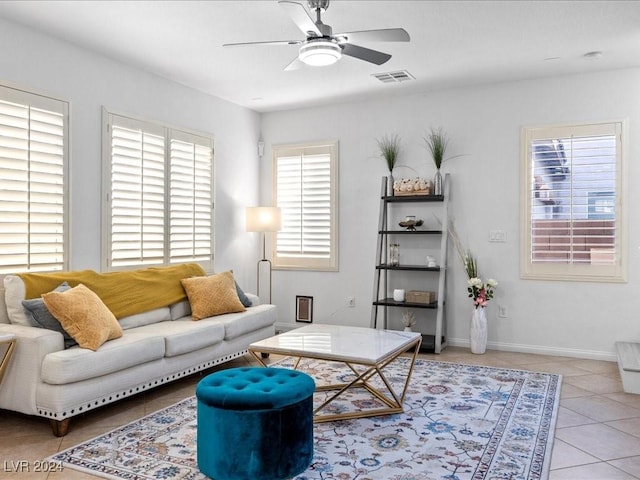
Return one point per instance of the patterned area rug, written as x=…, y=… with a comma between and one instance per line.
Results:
x=459, y=422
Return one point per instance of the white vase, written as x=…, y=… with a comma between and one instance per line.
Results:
x=478, y=331
x=408, y=328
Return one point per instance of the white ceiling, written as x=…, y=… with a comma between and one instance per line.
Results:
x=453, y=43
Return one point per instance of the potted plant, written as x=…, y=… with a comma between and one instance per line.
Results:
x=389, y=149
x=437, y=142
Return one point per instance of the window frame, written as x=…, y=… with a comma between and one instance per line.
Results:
x=305, y=263
x=615, y=272
x=42, y=101
x=170, y=133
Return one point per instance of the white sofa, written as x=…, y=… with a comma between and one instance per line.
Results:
x=158, y=346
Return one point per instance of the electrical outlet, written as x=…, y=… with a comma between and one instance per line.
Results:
x=351, y=302
x=502, y=311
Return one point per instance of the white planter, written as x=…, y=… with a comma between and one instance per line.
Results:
x=478, y=331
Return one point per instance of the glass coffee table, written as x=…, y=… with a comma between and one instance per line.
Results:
x=365, y=351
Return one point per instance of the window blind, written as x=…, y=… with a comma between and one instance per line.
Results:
x=574, y=191
x=305, y=190
x=33, y=163
x=191, y=201
x=160, y=196
x=137, y=196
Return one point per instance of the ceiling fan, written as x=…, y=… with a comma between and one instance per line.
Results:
x=323, y=47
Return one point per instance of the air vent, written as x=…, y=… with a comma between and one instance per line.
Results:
x=391, y=77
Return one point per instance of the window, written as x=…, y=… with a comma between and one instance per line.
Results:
x=306, y=192
x=572, y=225
x=159, y=194
x=33, y=182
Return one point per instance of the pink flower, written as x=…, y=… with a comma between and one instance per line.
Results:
x=480, y=302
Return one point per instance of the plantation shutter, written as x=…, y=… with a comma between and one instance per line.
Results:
x=160, y=196
x=305, y=190
x=137, y=193
x=574, y=198
x=33, y=166
x=191, y=200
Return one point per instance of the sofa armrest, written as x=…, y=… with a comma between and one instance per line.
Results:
x=23, y=375
x=255, y=300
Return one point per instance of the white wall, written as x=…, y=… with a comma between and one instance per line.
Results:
x=566, y=318
x=580, y=319
x=88, y=81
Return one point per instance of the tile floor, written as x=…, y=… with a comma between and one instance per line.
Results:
x=597, y=434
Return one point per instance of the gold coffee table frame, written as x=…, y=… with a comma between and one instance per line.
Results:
x=330, y=342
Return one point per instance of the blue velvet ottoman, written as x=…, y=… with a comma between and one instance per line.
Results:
x=255, y=423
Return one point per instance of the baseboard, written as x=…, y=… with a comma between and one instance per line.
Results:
x=505, y=347
x=540, y=350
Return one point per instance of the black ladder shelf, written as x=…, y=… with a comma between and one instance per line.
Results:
x=433, y=341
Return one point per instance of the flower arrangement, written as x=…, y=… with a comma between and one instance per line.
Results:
x=480, y=291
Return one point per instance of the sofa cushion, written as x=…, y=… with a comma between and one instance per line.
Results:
x=40, y=316
x=76, y=364
x=253, y=299
x=180, y=309
x=238, y=324
x=212, y=295
x=145, y=318
x=184, y=336
x=83, y=315
x=255, y=318
x=14, y=293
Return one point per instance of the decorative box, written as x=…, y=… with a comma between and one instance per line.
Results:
x=400, y=193
x=417, y=296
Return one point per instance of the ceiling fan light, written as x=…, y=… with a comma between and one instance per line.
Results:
x=319, y=53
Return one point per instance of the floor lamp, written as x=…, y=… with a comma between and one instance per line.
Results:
x=263, y=220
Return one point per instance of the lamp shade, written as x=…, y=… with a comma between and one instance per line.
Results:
x=263, y=219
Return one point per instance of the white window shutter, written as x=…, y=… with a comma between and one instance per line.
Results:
x=160, y=200
x=306, y=194
x=33, y=165
x=574, y=203
x=191, y=201
x=137, y=196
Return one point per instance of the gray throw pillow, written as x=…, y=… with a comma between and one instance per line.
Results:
x=40, y=317
x=244, y=300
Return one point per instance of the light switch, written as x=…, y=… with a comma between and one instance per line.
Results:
x=499, y=236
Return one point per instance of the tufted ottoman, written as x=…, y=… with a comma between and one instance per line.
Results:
x=255, y=423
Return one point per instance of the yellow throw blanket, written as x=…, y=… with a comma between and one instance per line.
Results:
x=124, y=293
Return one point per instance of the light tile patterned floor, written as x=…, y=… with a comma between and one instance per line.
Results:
x=597, y=435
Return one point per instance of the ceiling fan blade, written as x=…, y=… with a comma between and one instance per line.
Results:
x=301, y=18
x=295, y=65
x=275, y=42
x=383, y=35
x=366, y=54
